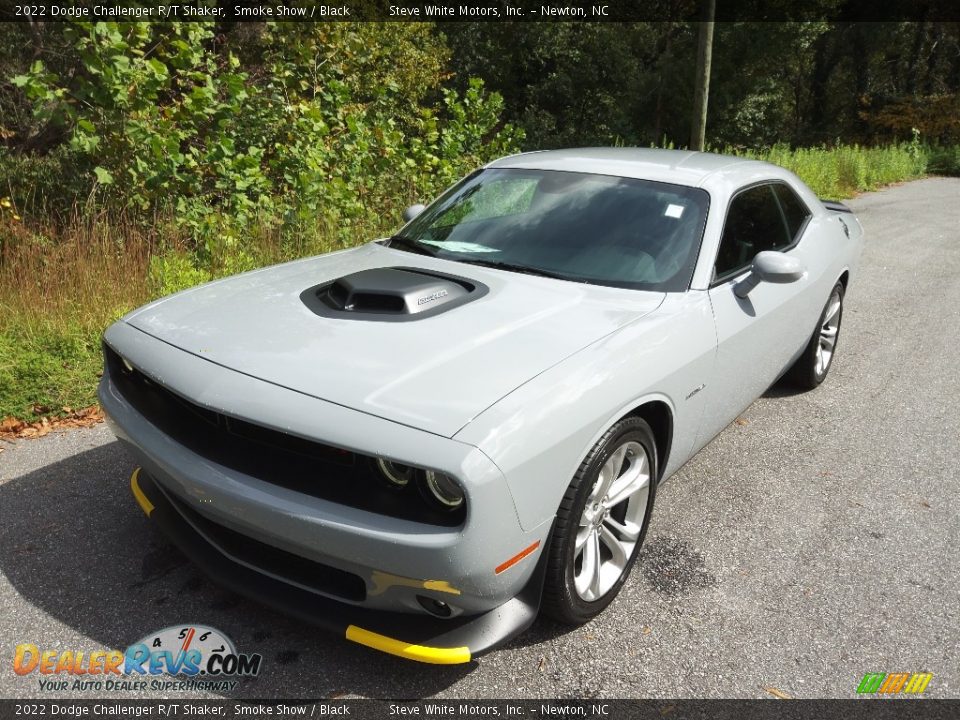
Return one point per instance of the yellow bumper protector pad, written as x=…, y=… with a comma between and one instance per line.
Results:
x=382, y=581
x=420, y=653
x=440, y=586
x=142, y=500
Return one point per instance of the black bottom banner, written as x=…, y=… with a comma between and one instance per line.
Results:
x=852, y=709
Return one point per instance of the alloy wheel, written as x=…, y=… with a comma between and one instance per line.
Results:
x=612, y=519
x=829, y=330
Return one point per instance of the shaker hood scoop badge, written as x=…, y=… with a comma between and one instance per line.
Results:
x=433, y=296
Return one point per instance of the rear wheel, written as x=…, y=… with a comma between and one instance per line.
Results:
x=601, y=523
x=812, y=366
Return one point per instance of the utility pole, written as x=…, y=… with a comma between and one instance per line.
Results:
x=701, y=92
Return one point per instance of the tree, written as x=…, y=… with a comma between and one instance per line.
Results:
x=702, y=86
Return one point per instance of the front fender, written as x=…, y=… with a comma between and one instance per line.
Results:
x=540, y=433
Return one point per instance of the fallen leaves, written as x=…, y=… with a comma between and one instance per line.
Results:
x=778, y=693
x=11, y=427
x=742, y=421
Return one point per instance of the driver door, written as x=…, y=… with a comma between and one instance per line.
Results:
x=757, y=336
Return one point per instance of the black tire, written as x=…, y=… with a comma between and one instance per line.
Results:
x=809, y=371
x=561, y=599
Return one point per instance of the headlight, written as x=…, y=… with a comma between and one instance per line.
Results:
x=439, y=490
x=443, y=490
x=396, y=474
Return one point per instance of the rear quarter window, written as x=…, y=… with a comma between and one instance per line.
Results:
x=795, y=213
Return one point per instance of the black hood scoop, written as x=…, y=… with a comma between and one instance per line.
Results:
x=391, y=294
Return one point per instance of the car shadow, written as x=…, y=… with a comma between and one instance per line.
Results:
x=782, y=388
x=75, y=546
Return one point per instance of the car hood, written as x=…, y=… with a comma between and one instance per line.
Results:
x=435, y=373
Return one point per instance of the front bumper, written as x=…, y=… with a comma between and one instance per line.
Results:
x=424, y=639
x=328, y=554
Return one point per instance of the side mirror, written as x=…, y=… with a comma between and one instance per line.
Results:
x=772, y=267
x=411, y=212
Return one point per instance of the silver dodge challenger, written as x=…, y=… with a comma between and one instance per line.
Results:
x=423, y=442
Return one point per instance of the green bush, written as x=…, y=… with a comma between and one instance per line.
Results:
x=41, y=185
x=944, y=161
x=329, y=123
x=174, y=271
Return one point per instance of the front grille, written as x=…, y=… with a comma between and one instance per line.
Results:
x=277, y=562
x=273, y=456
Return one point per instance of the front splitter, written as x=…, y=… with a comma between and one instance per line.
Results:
x=414, y=637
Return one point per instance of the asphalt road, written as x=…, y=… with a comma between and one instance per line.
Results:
x=814, y=540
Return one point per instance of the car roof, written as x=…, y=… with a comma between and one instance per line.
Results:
x=684, y=167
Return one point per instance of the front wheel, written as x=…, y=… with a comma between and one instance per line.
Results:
x=812, y=366
x=601, y=523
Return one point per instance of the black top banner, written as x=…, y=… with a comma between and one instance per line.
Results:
x=478, y=10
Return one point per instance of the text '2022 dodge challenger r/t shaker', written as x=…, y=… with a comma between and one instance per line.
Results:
x=422, y=442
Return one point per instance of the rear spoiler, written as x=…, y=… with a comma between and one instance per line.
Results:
x=836, y=206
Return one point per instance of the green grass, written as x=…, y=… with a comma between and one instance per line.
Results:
x=51, y=371
x=842, y=172
x=60, y=287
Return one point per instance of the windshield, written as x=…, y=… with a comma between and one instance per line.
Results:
x=598, y=229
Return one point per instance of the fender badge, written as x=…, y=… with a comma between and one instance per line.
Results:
x=695, y=391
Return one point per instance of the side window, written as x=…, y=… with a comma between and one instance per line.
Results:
x=795, y=213
x=754, y=223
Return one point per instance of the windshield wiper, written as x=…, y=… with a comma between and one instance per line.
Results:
x=399, y=241
x=525, y=269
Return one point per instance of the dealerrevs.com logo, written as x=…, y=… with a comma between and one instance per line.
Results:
x=180, y=657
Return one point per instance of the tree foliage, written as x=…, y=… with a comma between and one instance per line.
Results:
x=271, y=122
x=800, y=83
x=337, y=123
